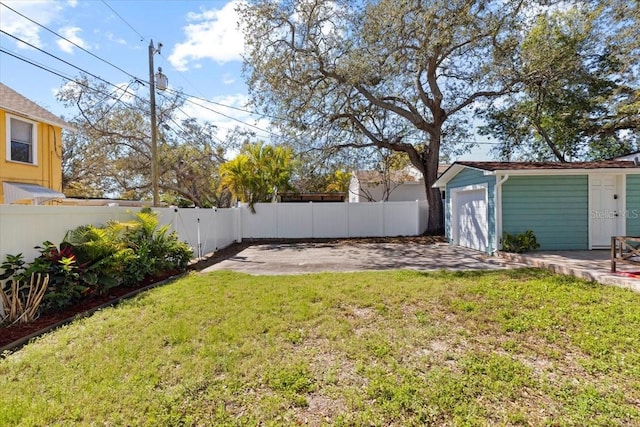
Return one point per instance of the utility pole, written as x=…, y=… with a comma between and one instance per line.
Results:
x=162, y=85
x=154, y=131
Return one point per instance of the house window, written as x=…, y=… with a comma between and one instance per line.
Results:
x=21, y=135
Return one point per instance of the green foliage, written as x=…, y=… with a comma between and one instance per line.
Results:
x=575, y=92
x=396, y=75
x=102, y=254
x=65, y=285
x=113, y=141
x=12, y=265
x=258, y=173
x=94, y=259
x=154, y=248
x=339, y=182
x=520, y=243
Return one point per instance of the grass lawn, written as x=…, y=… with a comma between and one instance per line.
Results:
x=521, y=347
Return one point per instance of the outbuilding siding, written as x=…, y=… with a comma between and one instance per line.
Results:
x=469, y=177
x=633, y=205
x=554, y=207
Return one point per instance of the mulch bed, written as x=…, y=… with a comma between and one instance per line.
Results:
x=16, y=332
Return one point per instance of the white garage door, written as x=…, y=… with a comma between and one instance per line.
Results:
x=470, y=219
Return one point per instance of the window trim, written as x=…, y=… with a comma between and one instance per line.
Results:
x=34, y=139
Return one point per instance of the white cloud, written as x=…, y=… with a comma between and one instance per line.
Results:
x=41, y=11
x=225, y=118
x=71, y=34
x=113, y=38
x=212, y=34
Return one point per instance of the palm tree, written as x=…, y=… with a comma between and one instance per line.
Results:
x=258, y=173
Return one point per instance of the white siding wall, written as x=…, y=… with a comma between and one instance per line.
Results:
x=22, y=227
x=408, y=191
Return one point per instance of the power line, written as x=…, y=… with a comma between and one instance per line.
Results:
x=35, y=64
x=69, y=41
x=142, y=38
x=131, y=75
x=59, y=74
x=253, y=113
x=127, y=73
x=230, y=117
x=59, y=59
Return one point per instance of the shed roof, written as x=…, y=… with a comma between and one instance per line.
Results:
x=526, y=168
x=495, y=166
x=13, y=102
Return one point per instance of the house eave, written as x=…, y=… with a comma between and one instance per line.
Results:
x=61, y=124
x=455, y=169
x=577, y=171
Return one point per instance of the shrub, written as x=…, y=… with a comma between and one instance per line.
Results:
x=102, y=254
x=520, y=243
x=94, y=259
x=65, y=286
x=156, y=249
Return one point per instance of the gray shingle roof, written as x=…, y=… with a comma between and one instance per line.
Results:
x=603, y=164
x=530, y=168
x=13, y=102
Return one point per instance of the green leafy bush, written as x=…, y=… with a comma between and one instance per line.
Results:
x=520, y=243
x=102, y=252
x=65, y=285
x=94, y=259
x=156, y=250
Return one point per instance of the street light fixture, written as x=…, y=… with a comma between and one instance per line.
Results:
x=162, y=82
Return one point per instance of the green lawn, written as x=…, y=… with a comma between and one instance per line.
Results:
x=519, y=347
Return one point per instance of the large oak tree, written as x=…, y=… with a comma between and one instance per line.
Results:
x=579, y=81
x=397, y=75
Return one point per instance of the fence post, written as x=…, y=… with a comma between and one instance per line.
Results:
x=348, y=219
x=213, y=226
x=382, y=216
x=238, y=220
x=313, y=228
x=417, y=233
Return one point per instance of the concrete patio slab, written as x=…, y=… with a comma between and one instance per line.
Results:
x=592, y=265
x=297, y=258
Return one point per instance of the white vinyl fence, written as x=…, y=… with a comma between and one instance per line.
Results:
x=206, y=230
x=329, y=220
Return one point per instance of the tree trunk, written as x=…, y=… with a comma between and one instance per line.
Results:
x=435, y=223
x=427, y=162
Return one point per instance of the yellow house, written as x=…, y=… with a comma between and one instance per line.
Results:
x=30, y=151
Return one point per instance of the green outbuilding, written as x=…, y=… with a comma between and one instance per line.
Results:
x=568, y=206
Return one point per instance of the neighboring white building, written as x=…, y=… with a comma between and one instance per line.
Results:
x=632, y=157
x=398, y=186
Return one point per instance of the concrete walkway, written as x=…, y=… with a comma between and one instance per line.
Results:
x=592, y=265
x=296, y=258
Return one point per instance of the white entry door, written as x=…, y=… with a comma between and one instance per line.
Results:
x=470, y=219
x=605, y=216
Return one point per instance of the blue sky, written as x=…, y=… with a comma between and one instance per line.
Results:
x=201, y=53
